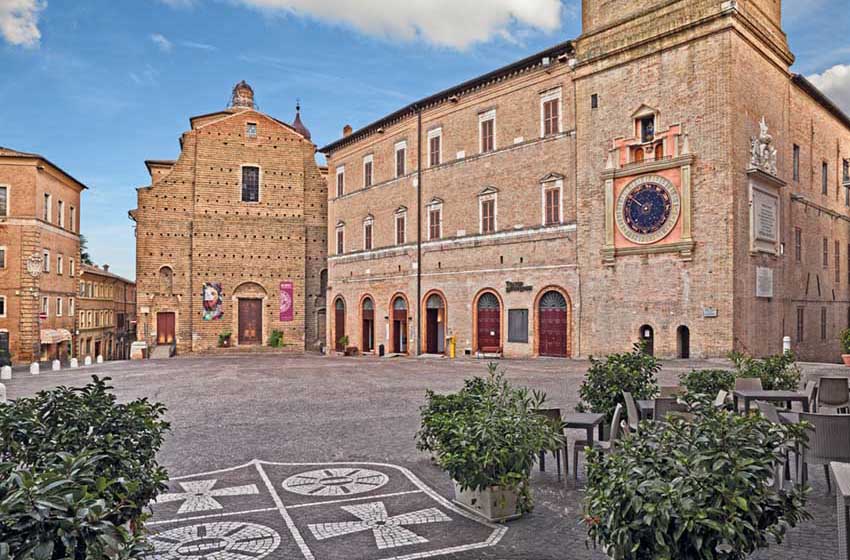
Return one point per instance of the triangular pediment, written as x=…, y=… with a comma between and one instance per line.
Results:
x=435, y=201
x=644, y=111
x=340, y=224
x=488, y=190
x=401, y=210
x=551, y=178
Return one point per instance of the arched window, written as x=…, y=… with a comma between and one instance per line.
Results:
x=340, y=305
x=434, y=302
x=553, y=300
x=488, y=301
x=399, y=304
x=368, y=305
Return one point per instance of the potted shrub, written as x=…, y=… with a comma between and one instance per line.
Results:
x=634, y=372
x=276, y=339
x=224, y=339
x=486, y=436
x=693, y=490
x=845, y=346
x=706, y=383
x=342, y=342
x=779, y=372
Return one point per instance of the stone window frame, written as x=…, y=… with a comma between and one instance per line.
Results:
x=436, y=205
x=548, y=183
x=4, y=251
x=400, y=214
x=60, y=264
x=248, y=131
x=45, y=305
x=340, y=181
x=483, y=117
x=72, y=267
x=59, y=306
x=400, y=170
x=60, y=210
x=45, y=265
x=8, y=199
x=259, y=182
x=4, y=310
x=72, y=218
x=339, y=242
x=556, y=94
x=436, y=133
x=71, y=307
x=369, y=159
x=487, y=195
x=368, y=224
x=47, y=211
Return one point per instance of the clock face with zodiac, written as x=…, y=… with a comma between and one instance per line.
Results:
x=648, y=209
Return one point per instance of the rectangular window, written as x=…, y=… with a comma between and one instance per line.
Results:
x=550, y=113
x=400, y=229
x=367, y=171
x=553, y=206
x=796, y=163
x=800, y=324
x=72, y=269
x=518, y=325
x=340, y=241
x=45, y=265
x=60, y=264
x=488, y=215
x=2, y=306
x=435, y=153
x=594, y=101
x=367, y=236
x=487, y=139
x=47, y=210
x=837, y=259
x=823, y=323
x=71, y=306
x=340, y=181
x=647, y=129
x=435, y=216
x=45, y=305
x=4, y=201
x=845, y=171
x=400, y=159
x=59, y=307
x=2, y=257
x=824, y=178
x=60, y=208
x=798, y=244
x=72, y=219
x=825, y=252
x=251, y=130
x=250, y=184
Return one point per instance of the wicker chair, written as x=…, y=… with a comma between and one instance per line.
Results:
x=665, y=406
x=632, y=412
x=721, y=401
x=829, y=440
x=668, y=391
x=782, y=470
x=553, y=414
x=834, y=392
x=606, y=446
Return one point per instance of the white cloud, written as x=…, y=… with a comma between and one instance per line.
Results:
x=19, y=21
x=452, y=23
x=198, y=46
x=835, y=83
x=178, y=3
x=162, y=42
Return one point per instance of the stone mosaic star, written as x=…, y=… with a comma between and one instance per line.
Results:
x=389, y=532
x=199, y=495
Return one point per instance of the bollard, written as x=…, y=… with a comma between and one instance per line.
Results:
x=56, y=365
x=6, y=373
x=100, y=359
x=34, y=368
x=75, y=363
x=2, y=394
x=88, y=361
x=786, y=344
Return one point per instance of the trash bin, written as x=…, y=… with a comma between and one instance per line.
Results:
x=380, y=350
x=452, y=347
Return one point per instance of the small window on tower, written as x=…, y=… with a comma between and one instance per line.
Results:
x=250, y=184
x=594, y=101
x=251, y=130
x=647, y=129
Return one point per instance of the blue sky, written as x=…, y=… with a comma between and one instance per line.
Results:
x=98, y=86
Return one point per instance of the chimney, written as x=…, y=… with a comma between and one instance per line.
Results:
x=106, y=268
x=347, y=130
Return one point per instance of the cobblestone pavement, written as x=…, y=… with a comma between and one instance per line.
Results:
x=314, y=457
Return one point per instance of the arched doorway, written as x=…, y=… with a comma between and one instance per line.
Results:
x=435, y=324
x=552, y=324
x=339, y=325
x=489, y=327
x=647, y=337
x=399, y=318
x=250, y=301
x=368, y=327
x=683, y=342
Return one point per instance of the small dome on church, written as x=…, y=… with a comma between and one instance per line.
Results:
x=243, y=96
x=298, y=125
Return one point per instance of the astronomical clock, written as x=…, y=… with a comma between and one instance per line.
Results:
x=648, y=191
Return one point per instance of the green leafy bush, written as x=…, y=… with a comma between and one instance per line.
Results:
x=634, y=372
x=276, y=339
x=708, y=382
x=84, y=453
x=697, y=490
x=488, y=434
x=224, y=338
x=779, y=372
x=845, y=341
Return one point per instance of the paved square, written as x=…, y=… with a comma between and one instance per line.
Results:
x=308, y=457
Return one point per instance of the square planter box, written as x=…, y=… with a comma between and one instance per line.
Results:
x=494, y=504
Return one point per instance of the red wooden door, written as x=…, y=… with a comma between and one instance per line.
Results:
x=552, y=330
x=489, y=323
x=368, y=330
x=164, y=328
x=250, y=322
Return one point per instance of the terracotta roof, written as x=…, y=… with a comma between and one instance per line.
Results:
x=9, y=152
x=91, y=269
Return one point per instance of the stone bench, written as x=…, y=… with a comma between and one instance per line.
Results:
x=841, y=476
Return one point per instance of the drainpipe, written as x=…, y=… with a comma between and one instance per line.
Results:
x=418, y=110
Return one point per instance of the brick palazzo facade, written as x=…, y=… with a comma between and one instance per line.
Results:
x=106, y=314
x=664, y=176
x=231, y=236
x=39, y=254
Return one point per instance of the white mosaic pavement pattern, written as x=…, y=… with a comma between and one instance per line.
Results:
x=227, y=540
x=335, y=482
x=199, y=495
x=389, y=532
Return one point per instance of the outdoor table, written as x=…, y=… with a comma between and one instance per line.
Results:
x=580, y=421
x=841, y=476
x=646, y=408
x=750, y=395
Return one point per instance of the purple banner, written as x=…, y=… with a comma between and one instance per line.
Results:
x=286, y=308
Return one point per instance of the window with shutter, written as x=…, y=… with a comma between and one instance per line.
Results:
x=518, y=325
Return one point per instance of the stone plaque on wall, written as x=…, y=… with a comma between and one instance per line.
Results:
x=764, y=282
x=766, y=214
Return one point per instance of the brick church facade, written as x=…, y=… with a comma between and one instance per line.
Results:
x=663, y=177
x=231, y=236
